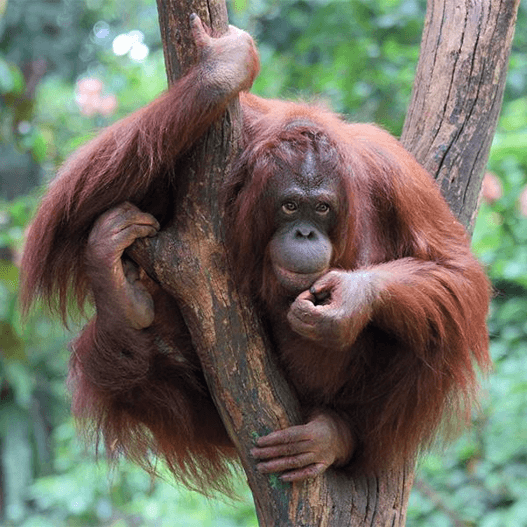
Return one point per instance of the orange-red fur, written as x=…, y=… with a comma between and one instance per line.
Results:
x=410, y=367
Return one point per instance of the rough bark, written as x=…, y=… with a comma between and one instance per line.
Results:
x=457, y=95
x=189, y=259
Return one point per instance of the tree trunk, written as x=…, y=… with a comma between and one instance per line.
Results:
x=457, y=94
x=188, y=259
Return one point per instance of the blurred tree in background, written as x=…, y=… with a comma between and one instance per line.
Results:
x=68, y=67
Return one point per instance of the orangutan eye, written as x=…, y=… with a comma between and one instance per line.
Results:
x=322, y=208
x=289, y=207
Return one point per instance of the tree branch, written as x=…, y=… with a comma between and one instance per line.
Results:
x=457, y=95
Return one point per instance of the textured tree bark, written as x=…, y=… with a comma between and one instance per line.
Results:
x=457, y=95
x=188, y=258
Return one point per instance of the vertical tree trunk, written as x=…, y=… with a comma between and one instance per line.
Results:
x=444, y=129
x=457, y=94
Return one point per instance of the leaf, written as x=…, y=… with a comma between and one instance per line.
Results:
x=11, y=346
x=240, y=6
x=7, y=82
x=9, y=276
x=39, y=148
x=11, y=78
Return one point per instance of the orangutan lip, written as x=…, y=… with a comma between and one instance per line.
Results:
x=302, y=276
x=297, y=281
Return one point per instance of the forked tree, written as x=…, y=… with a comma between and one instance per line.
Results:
x=451, y=120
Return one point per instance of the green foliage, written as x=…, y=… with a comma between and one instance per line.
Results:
x=82, y=493
x=11, y=79
x=357, y=56
x=21, y=145
x=53, y=31
x=31, y=373
x=58, y=115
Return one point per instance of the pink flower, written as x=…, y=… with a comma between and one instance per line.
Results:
x=491, y=189
x=90, y=100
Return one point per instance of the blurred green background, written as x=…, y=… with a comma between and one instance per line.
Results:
x=68, y=67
